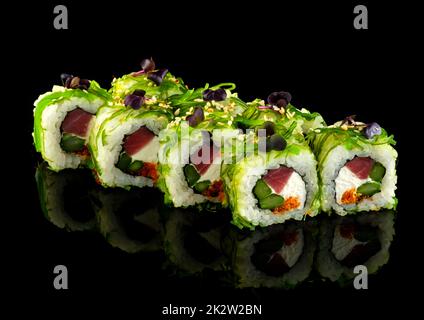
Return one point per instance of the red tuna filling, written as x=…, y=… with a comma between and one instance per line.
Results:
x=277, y=178
x=77, y=122
x=136, y=141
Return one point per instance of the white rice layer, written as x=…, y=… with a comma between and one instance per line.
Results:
x=109, y=147
x=51, y=121
x=337, y=159
x=180, y=192
x=253, y=168
x=294, y=188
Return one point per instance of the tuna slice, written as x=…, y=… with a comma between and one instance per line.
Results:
x=360, y=166
x=136, y=141
x=77, y=122
x=203, y=161
x=277, y=178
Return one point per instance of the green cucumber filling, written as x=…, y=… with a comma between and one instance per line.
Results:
x=202, y=186
x=261, y=189
x=128, y=165
x=75, y=129
x=369, y=188
x=377, y=172
x=71, y=143
x=191, y=175
x=271, y=202
x=267, y=200
x=359, y=178
x=280, y=190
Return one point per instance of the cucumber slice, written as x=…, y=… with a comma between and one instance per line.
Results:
x=369, y=188
x=377, y=172
x=135, y=166
x=71, y=143
x=191, y=175
x=202, y=186
x=271, y=202
x=261, y=189
x=123, y=162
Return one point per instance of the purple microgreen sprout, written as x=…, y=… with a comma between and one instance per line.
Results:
x=372, y=129
x=197, y=117
x=215, y=95
x=279, y=99
x=135, y=100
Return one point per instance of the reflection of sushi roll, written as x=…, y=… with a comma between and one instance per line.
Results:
x=356, y=167
x=277, y=180
x=277, y=256
x=192, y=242
x=64, y=198
x=191, y=147
x=355, y=240
x=63, y=119
x=129, y=220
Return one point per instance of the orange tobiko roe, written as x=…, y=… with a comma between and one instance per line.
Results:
x=149, y=170
x=84, y=152
x=349, y=196
x=289, y=204
x=215, y=190
x=96, y=177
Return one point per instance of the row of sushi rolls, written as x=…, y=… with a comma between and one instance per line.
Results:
x=215, y=182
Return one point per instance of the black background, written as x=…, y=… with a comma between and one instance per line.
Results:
x=310, y=50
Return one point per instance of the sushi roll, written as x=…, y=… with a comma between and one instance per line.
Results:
x=357, y=167
x=63, y=120
x=192, y=240
x=125, y=148
x=130, y=220
x=124, y=140
x=346, y=242
x=64, y=198
x=279, y=256
x=191, y=150
x=276, y=179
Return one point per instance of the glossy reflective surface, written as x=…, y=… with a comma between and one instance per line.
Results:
x=205, y=246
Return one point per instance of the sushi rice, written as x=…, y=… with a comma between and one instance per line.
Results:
x=106, y=143
x=50, y=111
x=334, y=148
